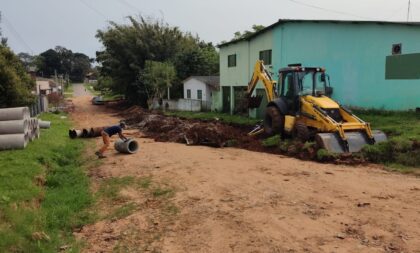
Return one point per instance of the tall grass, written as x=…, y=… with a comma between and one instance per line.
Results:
x=44, y=192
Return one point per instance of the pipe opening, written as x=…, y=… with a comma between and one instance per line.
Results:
x=133, y=146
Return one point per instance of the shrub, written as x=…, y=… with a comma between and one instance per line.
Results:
x=272, y=141
x=324, y=155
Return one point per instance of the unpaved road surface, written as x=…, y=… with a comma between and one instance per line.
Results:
x=232, y=200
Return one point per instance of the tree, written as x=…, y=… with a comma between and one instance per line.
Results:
x=15, y=84
x=63, y=61
x=26, y=59
x=158, y=77
x=255, y=28
x=128, y=47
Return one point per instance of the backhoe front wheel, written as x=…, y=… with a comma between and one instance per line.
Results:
x=273, y=121
x=301, y=132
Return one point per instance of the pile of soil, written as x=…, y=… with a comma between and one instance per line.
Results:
x=189, y=131
x=216, y=133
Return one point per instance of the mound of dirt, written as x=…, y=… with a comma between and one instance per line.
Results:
x=192, y=132
x=216, y=133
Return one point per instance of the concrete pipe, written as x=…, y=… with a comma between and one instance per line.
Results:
x=17, y=113
x=127, y=147
x=73, y=133
x=96, y=131
x=37, y=133
x=44, y=124
x=32, y=135
x=14, y=126
x=13, y=141
x=85, y=133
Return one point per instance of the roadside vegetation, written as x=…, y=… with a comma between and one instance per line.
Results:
x=91, y=88
x=402, y=150
x=68, y=91
x=44, y=192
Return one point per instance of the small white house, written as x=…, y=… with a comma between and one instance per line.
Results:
x=201, y=88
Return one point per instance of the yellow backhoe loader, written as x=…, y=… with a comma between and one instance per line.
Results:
x=299, y=105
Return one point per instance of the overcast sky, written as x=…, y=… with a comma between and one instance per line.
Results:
x=34, y=26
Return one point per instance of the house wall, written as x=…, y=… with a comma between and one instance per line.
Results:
x=354, y=56
x=247, y=53
x=194, y=85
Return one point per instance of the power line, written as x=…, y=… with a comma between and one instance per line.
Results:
x=130, y=6
x=16, y=34
x=94, y=9
x=408, y=11
x=328, y=10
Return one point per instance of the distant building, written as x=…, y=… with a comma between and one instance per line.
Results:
x=91, y=77
x=45, y=87
x=201, y=88
x=365, y=60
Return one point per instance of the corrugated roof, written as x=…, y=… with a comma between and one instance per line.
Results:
x=283, y=21
x=213, y=81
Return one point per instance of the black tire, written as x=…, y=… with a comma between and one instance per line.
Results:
x=273, y=121
x=301, y=132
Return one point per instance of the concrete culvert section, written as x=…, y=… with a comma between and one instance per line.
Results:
x=44, y=124
x=126, y=147
x=14, y=126
x=17, y=113
x=13, y=141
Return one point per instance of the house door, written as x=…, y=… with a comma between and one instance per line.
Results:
x=226, y=99
x=263, y=105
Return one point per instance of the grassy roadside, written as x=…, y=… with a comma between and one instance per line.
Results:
x=44, y=192
x=68, y=91
x=91, y=89
x=402, y=150
x=227, y=118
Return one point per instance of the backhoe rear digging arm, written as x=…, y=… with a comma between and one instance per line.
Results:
x=261, y=73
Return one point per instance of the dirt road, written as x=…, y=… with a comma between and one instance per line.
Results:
x=232, y=200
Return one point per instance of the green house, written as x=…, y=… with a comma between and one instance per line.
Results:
x=371, y=64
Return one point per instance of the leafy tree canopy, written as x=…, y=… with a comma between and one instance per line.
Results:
x=127, y=48
x=63, y=61
x=245, y=34
x=15, y=84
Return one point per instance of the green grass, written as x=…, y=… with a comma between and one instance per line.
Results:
x=90, y=87
x=44, y=192
x=227, y=118
x=397, y=125
x=123, y=211
x=402, y=129
x=68, y=91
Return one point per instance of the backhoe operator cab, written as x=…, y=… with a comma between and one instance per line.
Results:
x=296, y=81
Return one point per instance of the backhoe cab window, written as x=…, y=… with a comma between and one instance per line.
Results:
x=320, y=84
x=287, y=85
x=311, y=83
x=305, y=83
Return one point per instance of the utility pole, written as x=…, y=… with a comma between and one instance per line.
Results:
x=408, y=11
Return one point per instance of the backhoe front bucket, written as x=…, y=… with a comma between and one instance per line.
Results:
x=355, y=140
x=254, y=102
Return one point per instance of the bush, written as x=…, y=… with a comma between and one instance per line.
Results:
x=15, y=83
x=324, y=155
x=272, y=141
x=398, y=151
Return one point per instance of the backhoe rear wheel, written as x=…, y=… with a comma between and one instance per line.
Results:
x=273, y=121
